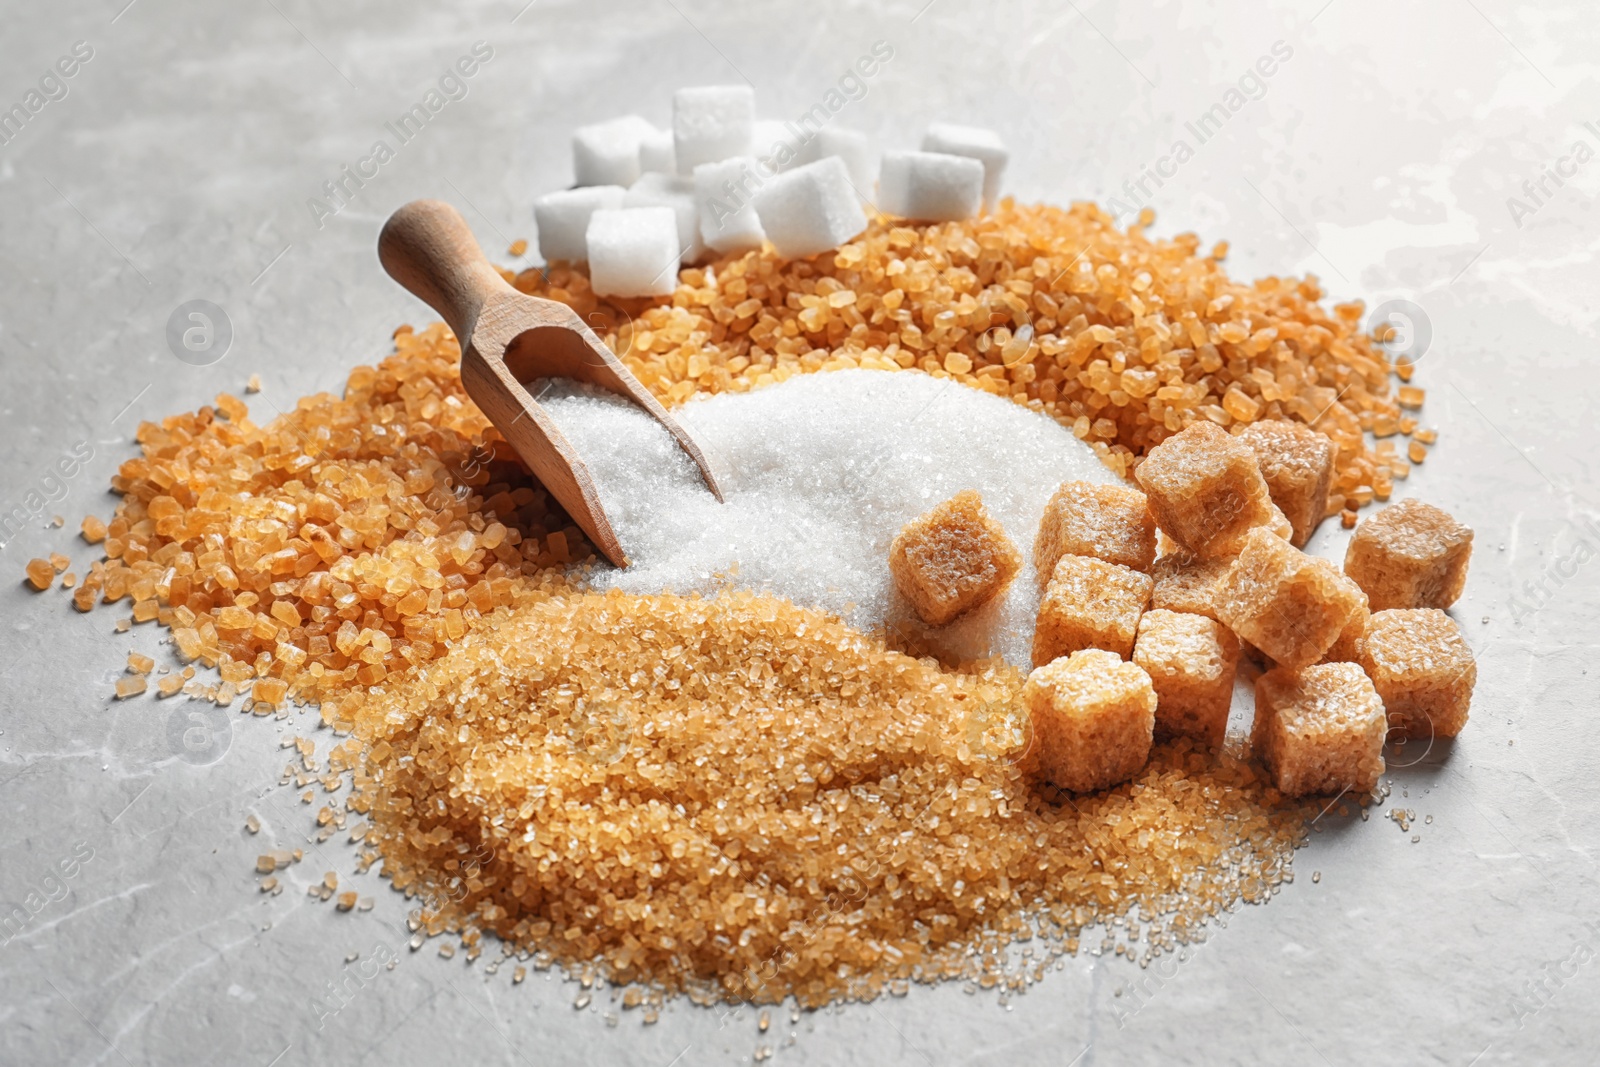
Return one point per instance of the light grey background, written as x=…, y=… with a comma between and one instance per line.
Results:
x=1380, y=156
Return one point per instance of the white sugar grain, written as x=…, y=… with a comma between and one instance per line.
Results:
x=820, y=472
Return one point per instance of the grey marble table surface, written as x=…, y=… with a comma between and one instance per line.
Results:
x=1438, y=154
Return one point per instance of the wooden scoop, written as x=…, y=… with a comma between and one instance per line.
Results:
x=508, y=338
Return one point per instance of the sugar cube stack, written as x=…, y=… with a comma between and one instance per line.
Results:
x=952, y=559
x=810, y=209
x=1109, y=522
x=1191, y=661
x=930, y=186
x=677, y=193
x=1089, y=603
x=1297, y=463
x=1205, y=490
x=1410, y=555
x=562, y=219
x=607, y=153
x=1091, y=718
x=724, y=194
x=977, y=143
x=1319, y=729
x=711, y=123
x=1289, y=605
x=1421, y=667
x=633, y=251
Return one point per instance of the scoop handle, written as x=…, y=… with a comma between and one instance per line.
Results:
x=427, y=247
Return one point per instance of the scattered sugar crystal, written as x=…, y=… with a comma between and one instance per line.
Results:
x=810, y=209
x=607, y=153
x=1421, y=667
x=930, y=186
x=952, y=559
x=724, y=195
x=855, y=148
x=1091, y=718
x=711, y=123
x=562, y=219
x=1319, y=729
x=830, y=467
x=981, y=144
x=1410, y=555
x=670, y=190
x=633, y=251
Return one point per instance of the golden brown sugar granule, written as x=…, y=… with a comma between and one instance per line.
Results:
x=1410, y=555
x=59, y=562
x=952, y=559
x=68, y=580
x=1089, y=603
x=1289, y=605
x=94, y=531
x=518, y=247
x=1206, y=490
x=1319, y=729
x=1091, y=718
x=1123, y=339
x=40, y=574
x=140, y=664
x=131, y=686
x=682, y=790
x=1108, y=522
x=253, y=824
x=1422, y=668
x=346, y=900
x=1409, y=396
x=254, y=384
x=1416, y=451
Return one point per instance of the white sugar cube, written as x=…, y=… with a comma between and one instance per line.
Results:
x=724, y=194
x=668, y=190
x=853, y=147
x=930, y=186
x=607, y=153
x=810, y=209
x=781, y=147
x=633, y=251
x=977, y=142
x=712, y=122
x=562, y=219
x=655, y=153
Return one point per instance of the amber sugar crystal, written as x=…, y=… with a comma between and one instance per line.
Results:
x=1319, y=729
x=1422, y=668
x=1409, y=555
x=41, y=575
x=1289, y=605
x=952, y=559
x=1091, y=719
x=1191, y=662
x=1298, y=465
x=1089, y=603
x=1206, y=490
x=1108, y=522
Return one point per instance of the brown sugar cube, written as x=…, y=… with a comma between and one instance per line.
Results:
x=1289, y=605
x=1319, y=729
x=1346, y=646
x=952, y=559
x=1089, y=604
x=1409, y=555
x=1422, y=668
x=1109, y=522
x=1297, y=463
x=1092, y=717
x=1205, y=489
x=1189, y=584
x=1191, y=661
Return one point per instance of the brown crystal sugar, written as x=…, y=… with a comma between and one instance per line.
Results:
x=1319, y=729
x=1422, y=668
x=1289, y=605
x=1089, y=603
x=1297, y=463
x=952, y=559
x=345, y=540
x=1206, y=490
x=1108, y=522
x=1191, y=662
x=1410, y=555
x=746, y=800
x=1122, y=338
x=41, y=575
x=1188, y=584
x=1091, y=718
x=1346, y=648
